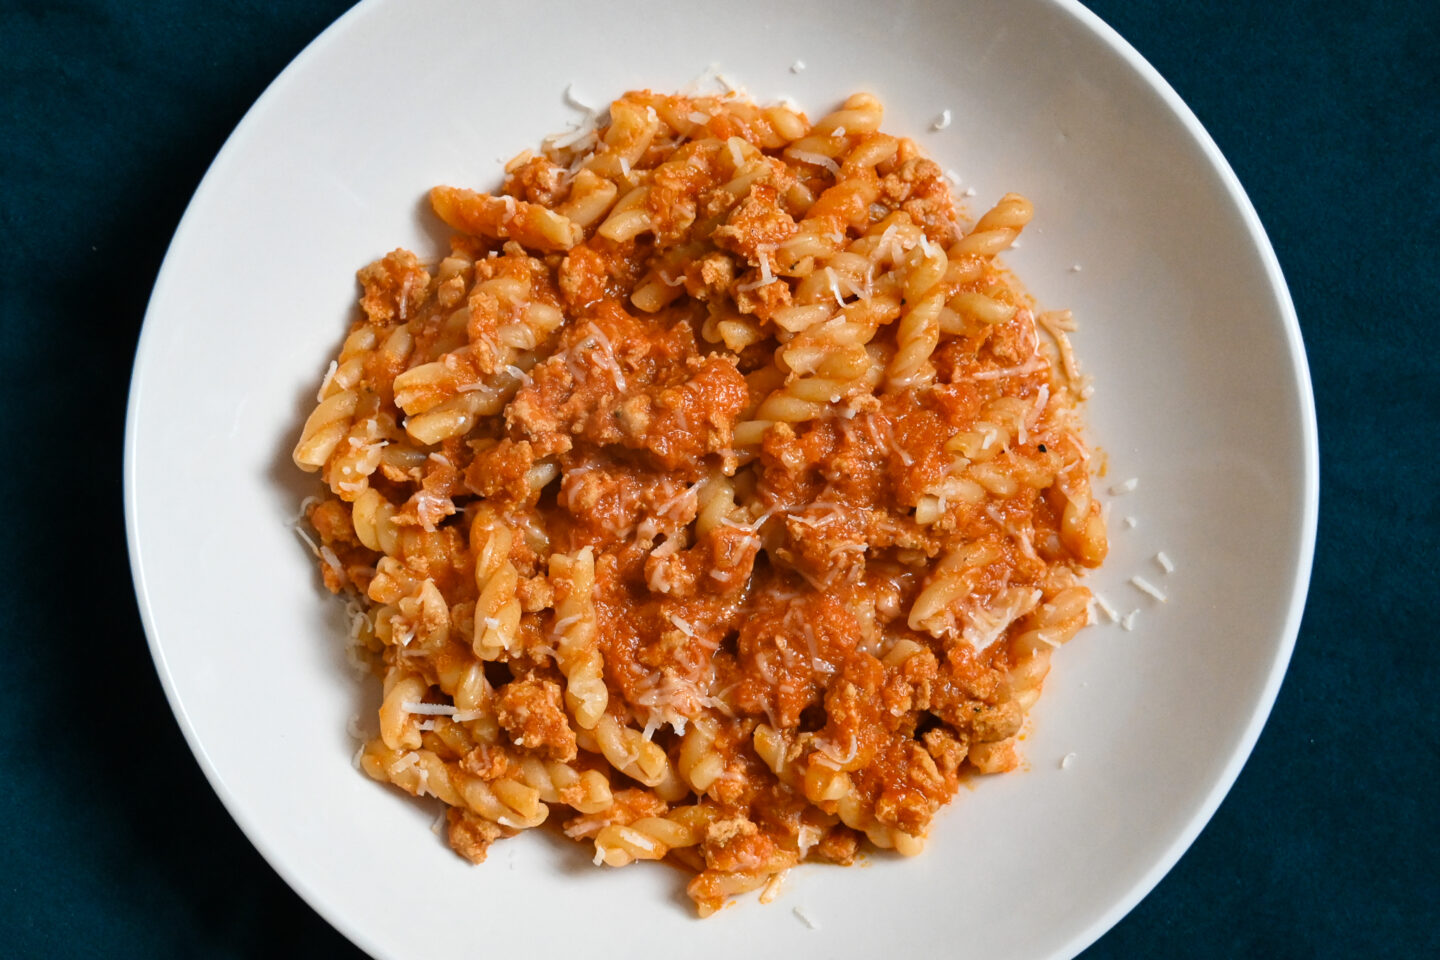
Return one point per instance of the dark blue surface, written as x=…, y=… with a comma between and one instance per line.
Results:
x=112, y=843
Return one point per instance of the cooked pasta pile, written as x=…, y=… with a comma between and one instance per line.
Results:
x=716, y=497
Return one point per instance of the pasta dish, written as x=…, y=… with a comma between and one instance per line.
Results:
x=718, y=497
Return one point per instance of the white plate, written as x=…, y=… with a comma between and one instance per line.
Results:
x=1201, y=392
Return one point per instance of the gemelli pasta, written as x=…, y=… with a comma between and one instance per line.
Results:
x=718, y=496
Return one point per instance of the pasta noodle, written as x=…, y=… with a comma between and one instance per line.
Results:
x=718, y=487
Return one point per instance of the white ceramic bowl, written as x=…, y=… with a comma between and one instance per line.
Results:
x=1202, y=393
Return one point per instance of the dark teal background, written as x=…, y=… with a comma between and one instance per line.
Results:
x=111, y=842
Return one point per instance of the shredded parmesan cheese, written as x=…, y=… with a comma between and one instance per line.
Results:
x=428, y=709
x=575, y=138
x=1145, y=586
x=835, y=287
x=1110, y=612
x=577, y=103
x=333, y=562
x=680, y=498
x=736, y=158
x=608, y=360
x=309, y=542
x=1028, y=367
x=403, y=763
x=815, y=159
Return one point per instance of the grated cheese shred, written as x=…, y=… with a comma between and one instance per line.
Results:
x=814, y=159
x=1128, y=486
x=1146, y=587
